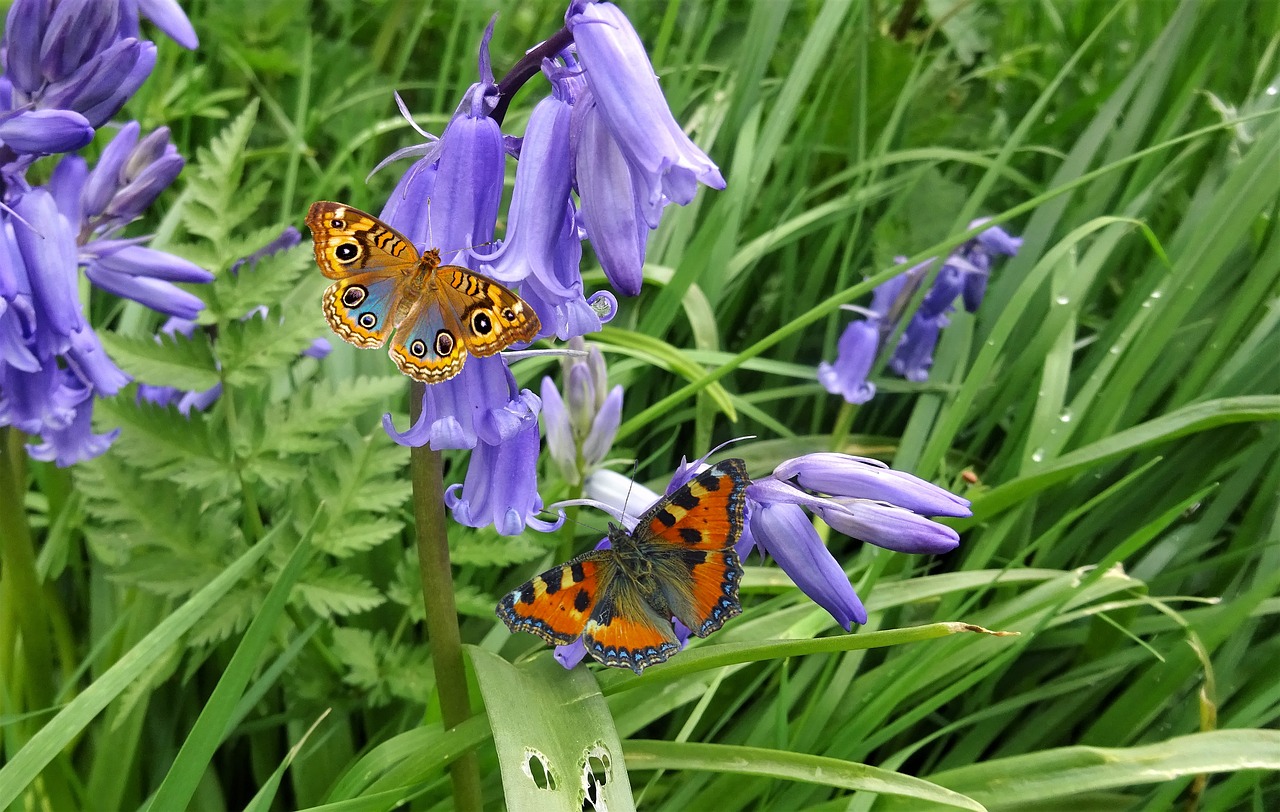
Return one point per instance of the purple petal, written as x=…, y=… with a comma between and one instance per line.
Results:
x=407, y=205
x=555, y=419
x=610, y=205
x=74, y=441
x=46, y=131
x=105, y=179
x=168, y=16
x=914, y=355
x=156, y=294
x=318, y=349
x=135, y=260
x=783, y=531
x=501, y=487
x=49, y=254
x=604, y=428
x=24, y=33
x=78, y=31
x=102, y=111
x=90, y=362
x=859, y=477
x=887, y=526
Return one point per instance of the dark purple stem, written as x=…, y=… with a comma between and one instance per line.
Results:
x=528, y=67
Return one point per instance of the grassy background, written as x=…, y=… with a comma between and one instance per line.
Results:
x=202, y=637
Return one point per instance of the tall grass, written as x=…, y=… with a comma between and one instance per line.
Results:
x=226, y=606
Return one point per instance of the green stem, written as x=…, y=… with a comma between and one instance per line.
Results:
x=26, y=659
x=844, y=422
x=427, y=471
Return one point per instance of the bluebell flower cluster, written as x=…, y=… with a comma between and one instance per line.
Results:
x=582, y=423
x=963, y=276
x=859, y=497
x=600, y=158
x=69, y=66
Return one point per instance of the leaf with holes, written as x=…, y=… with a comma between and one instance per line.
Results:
x=556, y=742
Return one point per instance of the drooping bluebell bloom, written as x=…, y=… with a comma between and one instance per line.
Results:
x=666, y=165
x=963, y=275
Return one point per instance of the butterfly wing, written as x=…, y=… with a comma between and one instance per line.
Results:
x=372, y=264
x=428, y=347
x=557, y=604
x=625, y=630
x=348, y=241
x=492, y=316
x=689, y=537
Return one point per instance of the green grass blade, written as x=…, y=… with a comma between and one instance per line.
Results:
x=76, y=716
x=212, y=726
x=722, y=758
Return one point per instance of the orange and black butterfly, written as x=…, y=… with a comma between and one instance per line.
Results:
x=679, y=562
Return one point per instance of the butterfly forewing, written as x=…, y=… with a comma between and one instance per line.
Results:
x=349, y=241
x=557, y=604
x=689, y=536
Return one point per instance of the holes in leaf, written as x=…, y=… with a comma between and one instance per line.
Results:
x=539, y=771
x=595, y=774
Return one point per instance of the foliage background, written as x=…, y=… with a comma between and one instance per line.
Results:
x=1114, y=399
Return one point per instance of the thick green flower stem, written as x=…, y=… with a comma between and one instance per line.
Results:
x=26, y=659
x=427, y=469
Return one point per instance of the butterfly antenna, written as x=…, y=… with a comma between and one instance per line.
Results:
x=590, y=527
x=431, y=239
x=626, y=500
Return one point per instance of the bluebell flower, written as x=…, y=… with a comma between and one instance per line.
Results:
x=856, y=496
x=855, y=356
x=542, y=250
x=501, y=486
x=963, y=275
x=581, y=426
x=667, y=166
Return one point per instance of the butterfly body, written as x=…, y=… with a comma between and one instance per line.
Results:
x=679, y=562
x=439, y=313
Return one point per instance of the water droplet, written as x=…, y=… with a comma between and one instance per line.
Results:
x=1037, y=455
x=1066, y=416
x=1114, y=350
x=1062, y=300
x=1147, y=303
x=1156, y=294
x=1273, y=90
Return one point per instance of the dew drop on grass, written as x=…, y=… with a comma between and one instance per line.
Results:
x=1065, y=417
x=1062, y=300
x=1037, y=455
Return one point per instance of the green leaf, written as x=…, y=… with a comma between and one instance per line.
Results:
x=335, y=592
x=164, y=360
x=724, y=758
x=553, y=733
x=1063, y=772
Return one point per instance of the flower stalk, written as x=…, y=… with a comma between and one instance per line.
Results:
x=426, y=468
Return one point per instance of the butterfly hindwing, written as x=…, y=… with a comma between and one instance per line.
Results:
x=492, y=316
x=361, y=308
x=428, y=346
x=557, y=604
x=690, y=537
x=625, y=630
